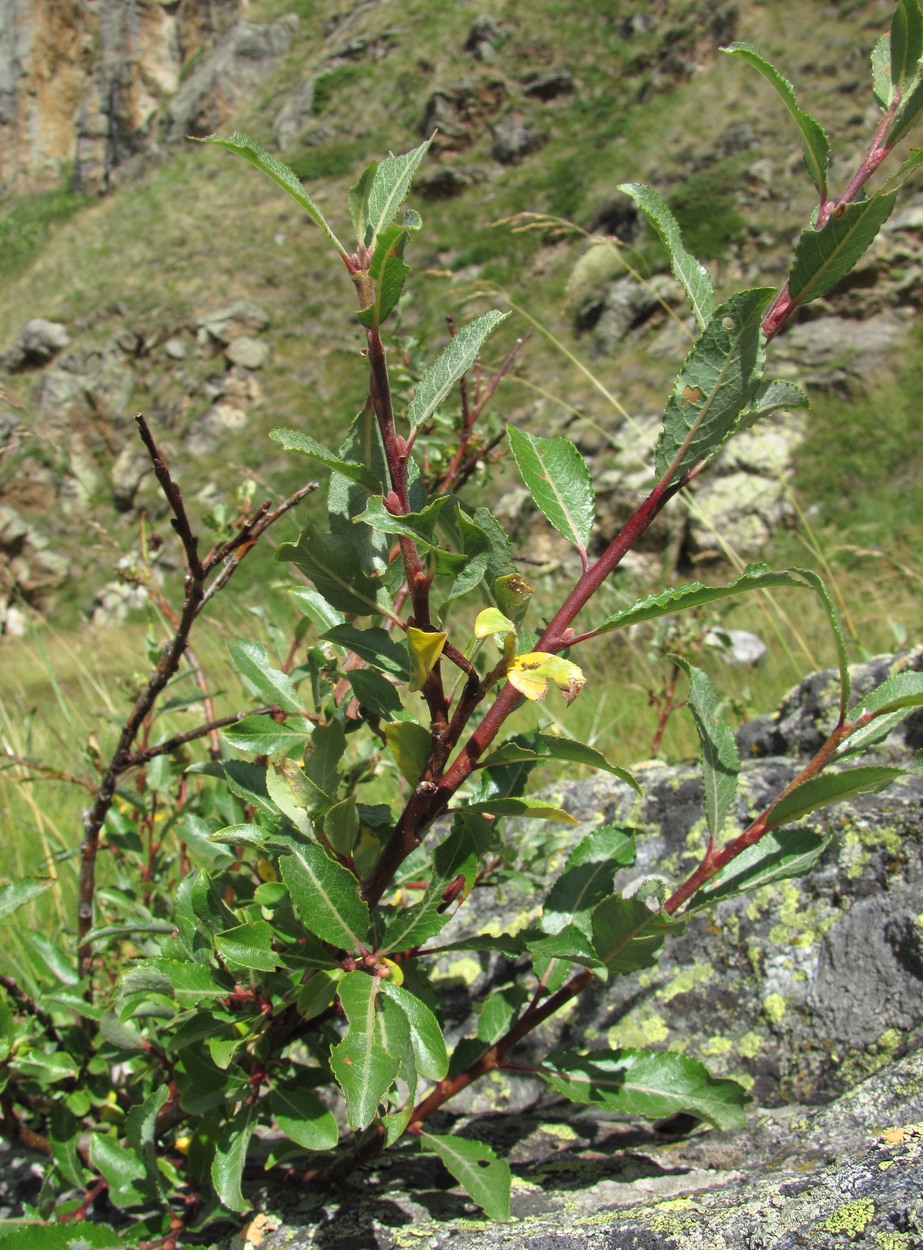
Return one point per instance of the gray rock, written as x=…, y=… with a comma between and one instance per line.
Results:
x=223, y=325
x=218, y=420
x=126, y=474
x=38, y=342
x=549, y=85
x=248, y=352
x=484, y=39
x=737, y=646
x=241, y=59
x=30, y=570
x=515, y=139
x=294, y=117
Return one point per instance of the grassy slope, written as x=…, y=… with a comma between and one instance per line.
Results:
x=200, y=229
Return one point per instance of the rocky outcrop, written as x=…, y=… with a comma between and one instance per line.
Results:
x=82, y=85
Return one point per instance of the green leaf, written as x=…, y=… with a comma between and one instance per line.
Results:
x=295, y=440
x=558, y=479
x=774, y=395
x=888, y=704
x=249, y=946
x=358, y=200
x=776, y=857
x=655, y=1085
x=498, y=1011
x=720, y=757
x=628, y=935
x=302, y=1116
x=341, y=825
x=294, y=795
x=265, y=736
x=322, y=758
x=569, y=945
x=190, y=983
x=814, y=142
x=542, y=746
x=230, y=1156
x=123, y=1169
x=425, y=1034
x=715, y=385
x=280, y=174
x=364, y=1070
x=389, y=272
x=823, y=257
x=388, y=189
x=587, y=878
x=375, y=646
x=315, y=607
x=410, y=744
x=908, y=112
x=78, y=1235
x=456, y=857
x=325, y=896
x=452, y=363
x=485, y=1178
x=334, y=567
x=689, y=272
x=318, y=993
x=831, y=788
x=21, y=892
x=538, y=809
x=882, y=86
x=267, y=683
x=906, y=43
x=375, y=693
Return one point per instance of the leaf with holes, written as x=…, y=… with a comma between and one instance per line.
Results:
x=485, y=1178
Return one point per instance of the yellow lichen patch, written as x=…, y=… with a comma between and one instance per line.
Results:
x=749, y=1044
x=563, y=1132
x=774, y=1008
x=895, y=1241
x=686, y=980
x=851, y=1218
x=679, y=1204
x=718, y=1045
x=647, y=1028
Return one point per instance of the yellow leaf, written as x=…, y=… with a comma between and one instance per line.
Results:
x=530, y=674
x=425, y=647
x=492, y=621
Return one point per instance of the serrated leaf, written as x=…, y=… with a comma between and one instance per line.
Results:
x=823, y=257
x=906, y=43
x=720, y=757
x=249, y=946
x=908, y=111
x=266, y=736
x=21, y=892
x=558, y=479
x=295, y=440
x=280, y=174
x=425, y=1034
x=230, y=1156
x=629, y=936
x=774, y=395
x=832, y=788
x=776, y=857
x=410, y=744
x=814, y=142
x=424, y=647
x=334, y=567
x=655, y=1085
x=302, y=1116
x=375, y=693
x=689, y=272
x=260, y=678
x=358, y=200
x=25, y=1234
x=568, y=945
x=882, y=86
x=315, y=607
x=123, y=1169
x=485, y=1178
x=888, y=704
x=388, y=190
x=246, y=834
x=388, y=271
x=325, y=896
x=452, y=363
x=715, y=385
x=190, y=983
x=587, y=878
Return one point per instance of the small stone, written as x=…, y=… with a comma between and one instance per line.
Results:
x=176, y=349
x=250, y=353
x=514, y=139
x=737, y=646
x=550, y=85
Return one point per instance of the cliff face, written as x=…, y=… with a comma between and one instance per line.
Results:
x=82, y=82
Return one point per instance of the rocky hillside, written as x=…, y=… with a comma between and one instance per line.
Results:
x=139, y=272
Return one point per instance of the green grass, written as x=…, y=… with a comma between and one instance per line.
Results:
x=26, y=224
